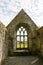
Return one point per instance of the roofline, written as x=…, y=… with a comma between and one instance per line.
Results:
x=17, y=15
x=40, y=28
x=2, y=23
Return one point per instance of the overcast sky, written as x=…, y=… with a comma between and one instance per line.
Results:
x=10, y=8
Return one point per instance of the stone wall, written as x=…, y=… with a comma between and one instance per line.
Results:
x=40, y=40
x=22, y=19
x=2, y=42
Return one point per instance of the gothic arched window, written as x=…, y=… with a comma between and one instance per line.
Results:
x=22, y=38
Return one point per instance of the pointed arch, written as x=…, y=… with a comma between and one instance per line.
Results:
x=21, y=38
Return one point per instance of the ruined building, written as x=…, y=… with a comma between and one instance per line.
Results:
x=21, y=37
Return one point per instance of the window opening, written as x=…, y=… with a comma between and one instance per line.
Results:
x=22, y=38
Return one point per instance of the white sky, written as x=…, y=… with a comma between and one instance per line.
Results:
x=10, y=8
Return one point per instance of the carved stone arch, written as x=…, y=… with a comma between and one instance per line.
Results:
x=29, y=32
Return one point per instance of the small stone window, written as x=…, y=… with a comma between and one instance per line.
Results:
x=21, y=38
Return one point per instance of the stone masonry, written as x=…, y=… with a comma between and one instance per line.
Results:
x=2, y=42
x=8, y=37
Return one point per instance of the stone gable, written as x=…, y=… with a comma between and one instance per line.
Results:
x=22, y=19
